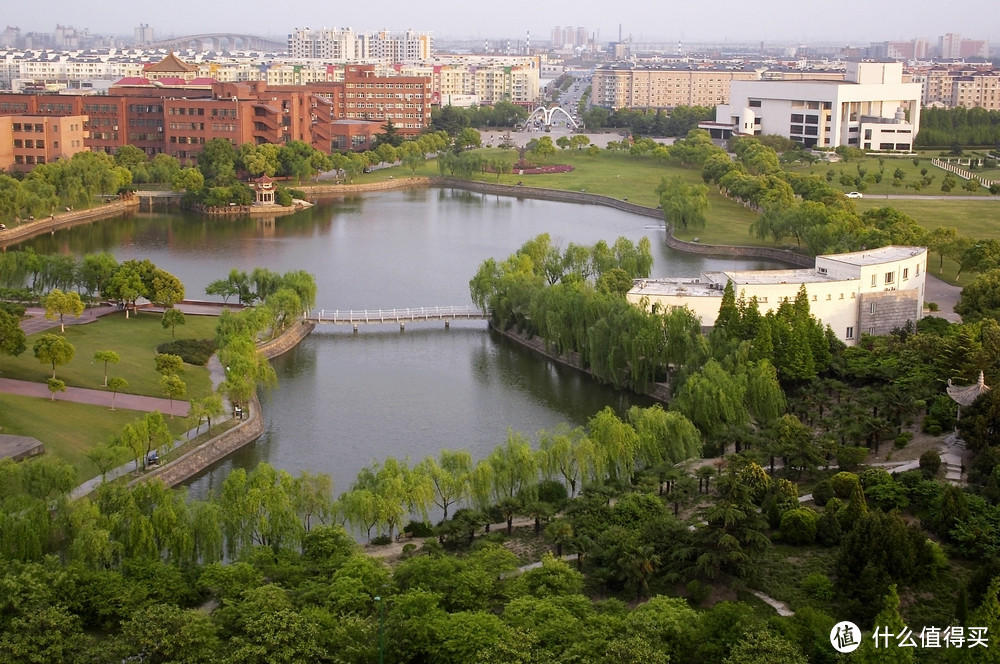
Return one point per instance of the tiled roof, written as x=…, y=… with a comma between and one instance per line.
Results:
x=171, y=63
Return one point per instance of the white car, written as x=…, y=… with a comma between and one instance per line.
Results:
x=855, y=194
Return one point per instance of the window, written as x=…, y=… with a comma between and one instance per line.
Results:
x=850, y=333
x=871, y=331
x=890, y=277
x=872, y=307
x=754, y=103
x=906, y=273
x=918, y=270
x=874, y=280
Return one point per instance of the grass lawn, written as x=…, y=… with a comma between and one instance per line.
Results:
x=978, y=219
x=135, y=340
x=69, y=429
x=621, y=175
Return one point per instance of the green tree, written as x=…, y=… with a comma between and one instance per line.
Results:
x=107, y=357
x=116, y=384
x=174, y=388
x=764, y=647
x=981, y=298
x=55, y=385
x=57, y=304
x=543, y=148
x=683, y=204
x=882, y=648
x=172, y=318
x=167, y=633
x=449, y=474
x=53, y=349
x=167, y=364
x=12, y=339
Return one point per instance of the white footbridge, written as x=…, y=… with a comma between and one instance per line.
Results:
x=401, y=317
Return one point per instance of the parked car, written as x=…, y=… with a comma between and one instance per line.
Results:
x=855, y=194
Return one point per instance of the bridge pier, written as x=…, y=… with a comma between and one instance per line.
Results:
x=355, y=328
x=447, y=324
x=402, y=326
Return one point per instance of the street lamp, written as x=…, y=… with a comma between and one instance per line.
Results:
x=380, y=632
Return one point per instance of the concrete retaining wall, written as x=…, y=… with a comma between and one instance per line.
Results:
x=288, y=340
x=244, y=433
x=29, y=229
x=211, y=451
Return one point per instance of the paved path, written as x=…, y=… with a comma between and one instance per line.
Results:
x=34, y=319
x=96, y=397
x=944, y=295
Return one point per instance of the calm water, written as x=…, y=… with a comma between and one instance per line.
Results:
x=346, y=400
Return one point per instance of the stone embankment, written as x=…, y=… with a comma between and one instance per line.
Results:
x=193, y=462
x=245, y=432
x=29, y=229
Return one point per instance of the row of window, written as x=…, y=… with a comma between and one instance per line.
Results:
x=143, y=108
x=29, y=159
x=29, y=143
x=100, y=108
x=386, y=86
x=175, y=110
x=18, y=126
x=850, y=332
x=193, y=126
x=890, y=277
x=188, y=140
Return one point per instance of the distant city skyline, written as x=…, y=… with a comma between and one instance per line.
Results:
x=849, y=21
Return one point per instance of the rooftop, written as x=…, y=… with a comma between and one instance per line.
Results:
x=875, y=256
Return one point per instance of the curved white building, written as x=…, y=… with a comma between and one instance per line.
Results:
x=862, y=292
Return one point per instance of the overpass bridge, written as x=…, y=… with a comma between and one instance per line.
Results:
x=220, y=41
x=357, y=317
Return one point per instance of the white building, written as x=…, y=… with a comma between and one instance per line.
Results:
x=346, y=45
x=872, y=110
x=863, y=292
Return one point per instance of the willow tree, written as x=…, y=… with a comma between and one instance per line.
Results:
x=664, y=436
x=514, y=471
x=713, y=400
x=449, y=474
x=617, y=442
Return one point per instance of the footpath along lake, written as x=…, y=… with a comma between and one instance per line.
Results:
x=346, y=400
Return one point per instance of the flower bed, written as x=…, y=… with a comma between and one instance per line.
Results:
x=539, y=170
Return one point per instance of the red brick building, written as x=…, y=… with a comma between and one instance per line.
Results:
x=40, y=139
x=172, y=111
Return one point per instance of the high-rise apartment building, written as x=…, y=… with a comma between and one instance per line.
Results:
x=346, y=45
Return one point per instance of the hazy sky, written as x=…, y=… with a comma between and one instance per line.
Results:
x=770, y=20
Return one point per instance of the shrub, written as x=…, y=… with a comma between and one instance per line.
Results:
x=381, y=540
x=930, y=463
x=934, y=430
x=828, y=530
x=902, y=439
x=698, y=592
x=874, y=476
x=932, y=306
x=553, y=493
x=798, y=526
x=192, y=351
x=419, y=529
x=849, y=458
x=822, y=493
x=843, y=484
x=818, y=586
x=408, y=550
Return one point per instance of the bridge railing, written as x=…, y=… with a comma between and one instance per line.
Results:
x=349, y=316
